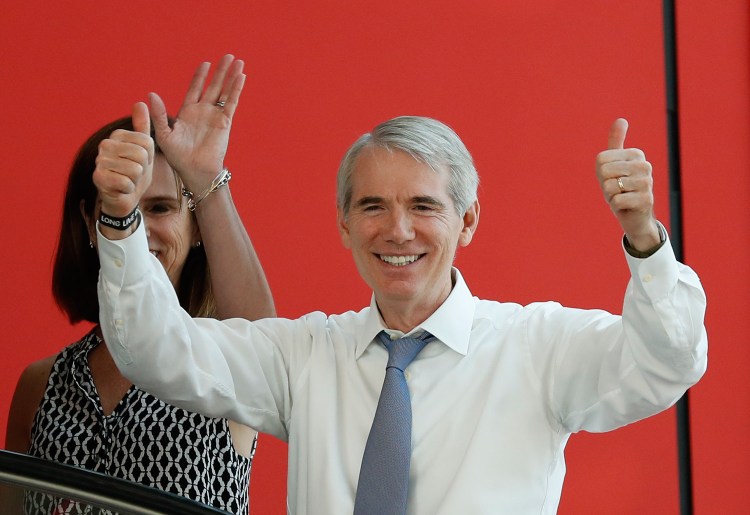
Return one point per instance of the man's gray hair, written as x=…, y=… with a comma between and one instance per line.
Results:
x=426, y=140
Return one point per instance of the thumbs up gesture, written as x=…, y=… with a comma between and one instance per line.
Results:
x=123, y=168
x=625, y=178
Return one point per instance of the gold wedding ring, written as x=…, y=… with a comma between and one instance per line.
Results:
x=619, y=183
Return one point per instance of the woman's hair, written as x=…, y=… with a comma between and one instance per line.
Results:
x=76, y=267
x=426, y=140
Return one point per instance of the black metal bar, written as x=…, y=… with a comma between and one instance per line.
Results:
x=67, y=482
x=676, y=236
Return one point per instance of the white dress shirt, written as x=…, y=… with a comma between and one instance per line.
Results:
x=494, y=398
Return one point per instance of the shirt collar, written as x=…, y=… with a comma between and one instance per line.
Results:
x=450, y=323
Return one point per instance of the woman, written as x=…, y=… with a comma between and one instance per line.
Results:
x=76, y=407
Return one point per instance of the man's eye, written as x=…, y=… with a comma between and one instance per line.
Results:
x=372, y=207
x=424, y=207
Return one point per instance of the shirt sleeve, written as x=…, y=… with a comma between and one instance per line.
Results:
x=197, y=364
x=601, y=371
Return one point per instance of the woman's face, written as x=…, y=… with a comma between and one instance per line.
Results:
x=170, y=226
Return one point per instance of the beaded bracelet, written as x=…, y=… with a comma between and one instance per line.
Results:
x=221, y=180
x=120, y=224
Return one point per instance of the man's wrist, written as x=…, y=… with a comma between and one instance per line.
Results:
x=650, y=251
x=117, y=228
x=120, y=223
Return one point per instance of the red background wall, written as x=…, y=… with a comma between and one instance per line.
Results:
x=531, y=87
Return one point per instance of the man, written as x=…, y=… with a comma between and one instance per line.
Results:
x=494, y=396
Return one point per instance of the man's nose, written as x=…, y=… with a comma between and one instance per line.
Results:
x=400, y=227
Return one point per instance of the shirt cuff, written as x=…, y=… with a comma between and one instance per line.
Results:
x=642, y=254
x=114, y=255
x=654, y=276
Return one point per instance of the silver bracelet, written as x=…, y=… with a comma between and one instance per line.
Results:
x=221, y=180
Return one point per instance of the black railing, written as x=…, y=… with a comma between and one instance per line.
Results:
x=676, y=235
x=21, y=474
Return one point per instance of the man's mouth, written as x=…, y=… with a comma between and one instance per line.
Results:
x=400, y=260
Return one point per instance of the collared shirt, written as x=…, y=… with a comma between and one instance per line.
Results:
x=494, y=398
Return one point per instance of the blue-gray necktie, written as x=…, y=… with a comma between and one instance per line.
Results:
x=384, y=477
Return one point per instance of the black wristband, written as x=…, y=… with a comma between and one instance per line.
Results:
x=119, y=224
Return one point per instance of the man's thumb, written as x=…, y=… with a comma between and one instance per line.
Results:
x=142, y=123
x=141, y=120
x=617, y=132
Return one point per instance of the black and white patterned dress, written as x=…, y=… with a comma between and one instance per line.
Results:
x=143, y=440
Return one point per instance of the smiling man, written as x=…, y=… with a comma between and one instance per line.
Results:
x=478, y=421
x=403, y=228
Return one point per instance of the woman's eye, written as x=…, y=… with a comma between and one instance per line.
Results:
x=158, y=208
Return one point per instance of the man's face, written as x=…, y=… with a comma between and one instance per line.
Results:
x=403, y=229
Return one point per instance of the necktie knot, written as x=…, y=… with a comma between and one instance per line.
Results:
x=402, y=351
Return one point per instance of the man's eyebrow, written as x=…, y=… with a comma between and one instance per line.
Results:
x=420, y=199
x=367, y=201
x=427, y=200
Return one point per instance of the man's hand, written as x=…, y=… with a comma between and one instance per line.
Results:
x=197, y=143
x=625, y=178
x=123, y=168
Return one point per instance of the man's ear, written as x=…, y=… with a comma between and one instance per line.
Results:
x=90, y=223
x=470, y=220
x=343, y=228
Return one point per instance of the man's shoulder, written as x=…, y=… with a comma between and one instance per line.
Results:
x=346, y=319
x=495, y=309
x=349, y=318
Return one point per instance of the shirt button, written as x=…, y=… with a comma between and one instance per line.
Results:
x=394, y=337
x=118, y=322
x=118, y=263
x=407, y=375
x=647, y=278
